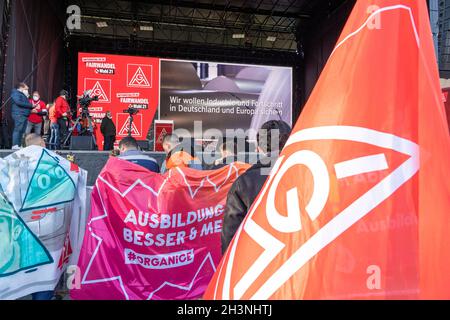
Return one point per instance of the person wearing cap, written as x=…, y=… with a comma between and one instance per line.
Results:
x=62, y=110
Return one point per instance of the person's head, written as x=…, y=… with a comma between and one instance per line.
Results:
x=10, y=232
x=36, y=96
x=127, y=144
x=228, y=149
x=23, y=87
x=272, y=136
x=64, y=94
x=170, y=141
x=108, y=114
x=34, y=139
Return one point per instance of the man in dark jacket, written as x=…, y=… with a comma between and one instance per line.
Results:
x=246, y=188
x=20, y=110
x=108, y=129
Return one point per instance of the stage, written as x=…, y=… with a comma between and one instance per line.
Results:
x=92, y=161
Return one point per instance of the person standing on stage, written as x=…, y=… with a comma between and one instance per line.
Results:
x=20, y=111
x=62, y=109
x=54, y=142
x=108, y=129
x=47, y=123
x=35, y=117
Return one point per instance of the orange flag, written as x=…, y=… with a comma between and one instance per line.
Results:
x=358, y=204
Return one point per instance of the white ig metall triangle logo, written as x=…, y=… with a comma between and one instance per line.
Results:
x=139, y=79
x=98, y=91
x=126, y=128
x=291, y=223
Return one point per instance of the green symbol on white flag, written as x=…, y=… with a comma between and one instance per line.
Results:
x=50, y=185
x=20, y=249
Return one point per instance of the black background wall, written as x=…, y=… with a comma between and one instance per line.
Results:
x=318, y=43
x=35, y=53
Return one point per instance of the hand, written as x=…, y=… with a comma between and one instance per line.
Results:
x=64, y=114
x=34, y=111
x=115, y=153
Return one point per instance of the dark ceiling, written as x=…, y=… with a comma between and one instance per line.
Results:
x=273, y=25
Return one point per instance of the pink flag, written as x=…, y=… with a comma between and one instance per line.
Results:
x=152, y=236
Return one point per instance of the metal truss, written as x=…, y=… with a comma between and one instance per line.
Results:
x=264, y=24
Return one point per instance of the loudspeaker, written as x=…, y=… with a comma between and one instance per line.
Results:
x=144, y=145
x=82, y=143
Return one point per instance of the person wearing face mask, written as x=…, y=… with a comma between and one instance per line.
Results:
x=20, y=110
x=108, y=130
x=35, y=117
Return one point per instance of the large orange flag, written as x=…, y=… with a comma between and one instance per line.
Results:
x=358, y=204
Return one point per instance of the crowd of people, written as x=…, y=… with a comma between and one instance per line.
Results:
x=244, y=190
x=30, y=113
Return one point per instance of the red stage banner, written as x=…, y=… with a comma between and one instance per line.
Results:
x=152, y=236
x=358, y=204
x=120, y=82
x=162, y=128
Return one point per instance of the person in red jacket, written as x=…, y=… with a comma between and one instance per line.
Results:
x=35, y=117
x=62, y=113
